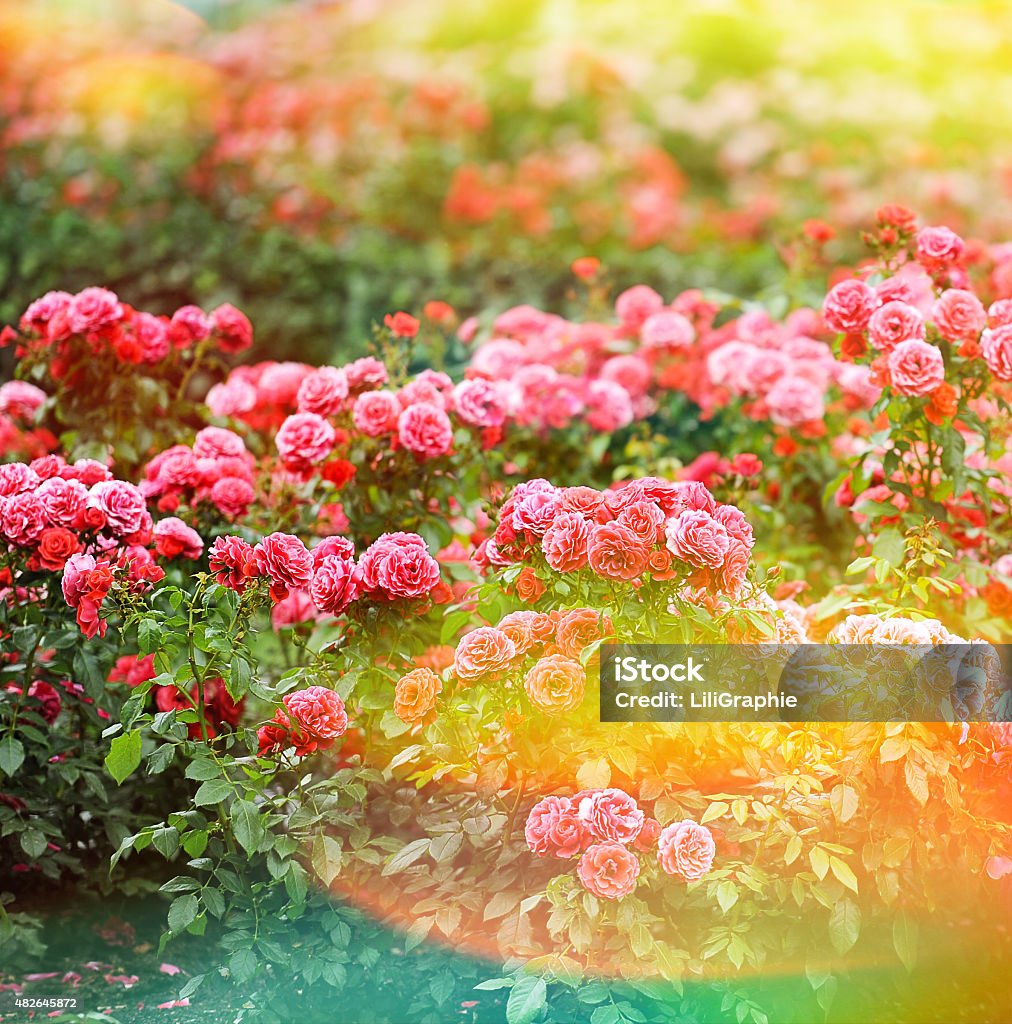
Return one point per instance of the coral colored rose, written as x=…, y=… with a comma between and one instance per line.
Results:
x=425, y=429
x=646, y=840
x=174, y=539
x=645, y=519
x=528, y=587
x=554, y=829
x=285, y=561
x=848, y=307
x=323, y=391
x=232, y=329
x=556, y=684
x=376, y=413
x=579, y=628
x=699, y=539
x=311, y=720
x=585, y=267
x=565, y=542
x=996, y=347
x=403, y=325
x=959, y=315
x=229, y=557
x=916, y=368
x=304, y=440
x=616, y=552
x=943, y=405
x=685, y=850
x=608, y=870
x=483, y=651
x=337, y=582
x=56, y=544
x=415, y=695
x=612, y=815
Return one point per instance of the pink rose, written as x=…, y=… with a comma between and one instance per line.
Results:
x=645, y=519
x=482, y=403
x=636, y=304
x=232, y=496
x=174, y=539
x=738, y=527
x=608, y=870
x=310, y=721
x=996, y=347
x=375, y=413
x=304, y=440
x=699, y=539
x=366, y=372
x=232, y=329
x=22, y=519
x=218, y=443
x=122, y=504
x=565, y=542
x=62, y=500
x=916, y=368
x=37, y=316
x=323, y=391
x=229, y=557
x=686, y=850
x=612, y=815
x=999, y=314
x=340, y=546
x=336, y=583
x=285, y=561
x=94, y=308
x=189, y=324
x=959, y=315
x=152, y=333
x=616, y=552
x=667, y=330
x=848, y=307
x=425, y=429
x=20, y=399
x=233, y=398
x=483, y=651
x=893, y=323
x=608, y=406
x=938, y=248
x=399, y=565
x=556, y=684
x=554, y=828
x=793, y=401
x=17, y=478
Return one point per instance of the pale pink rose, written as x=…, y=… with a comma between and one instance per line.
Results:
x=283, y=559
x=938, y=247
x=37, y=316
x=554, y=829
x=636, y=304
x=667, y=330
x=218, y=443
x=697, y=538
x=232, y=398
x=893, y=323
x=996, y=346
x=62, y=500
x=323, y=391
x=22, y=519
x=304, y=440
x=959, y=315
x=499, y=358
x=612, y=815
x=999, y=314
x=123, y=505
x=483, y=651
x=92, y=309
x=399, y=565
x=855, y=629
x=685, y=850
x=848, y=307
x=793, y=401
x=916, y=368
x=425, y=429
x=375, y=413
x=468, y=329
x=608, y=406
x=20, y=399
x=630, y=372
x=565, y=542
x=608, y=870
x=480, y=402
x=366, y=373
x=419, y=390
x=337, y=581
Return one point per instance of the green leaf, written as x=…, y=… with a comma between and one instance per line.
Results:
x=843, y=872
x=905, y=939
x=242, y=965
x=889, y=547
x=124, y=756
x=727, y=895
x=327, y=856
x=249, y=830
x=527, y=998
x=844, y=925
x=843, y=800
x=182, y=911
x=820, y=861
x=213, y=791
x=12, y=755
x=33, y=842
x=406, y=856
x=893, y=749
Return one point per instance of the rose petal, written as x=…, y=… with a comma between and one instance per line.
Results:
x=169, y=969
x=998, y=867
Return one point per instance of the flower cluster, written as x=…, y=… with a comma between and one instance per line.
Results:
x=608, y=831
x=648, y=528
x=310, y=721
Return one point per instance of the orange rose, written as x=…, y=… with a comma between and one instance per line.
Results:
x=556, y=684
x=415, y=695
x=529, y=587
